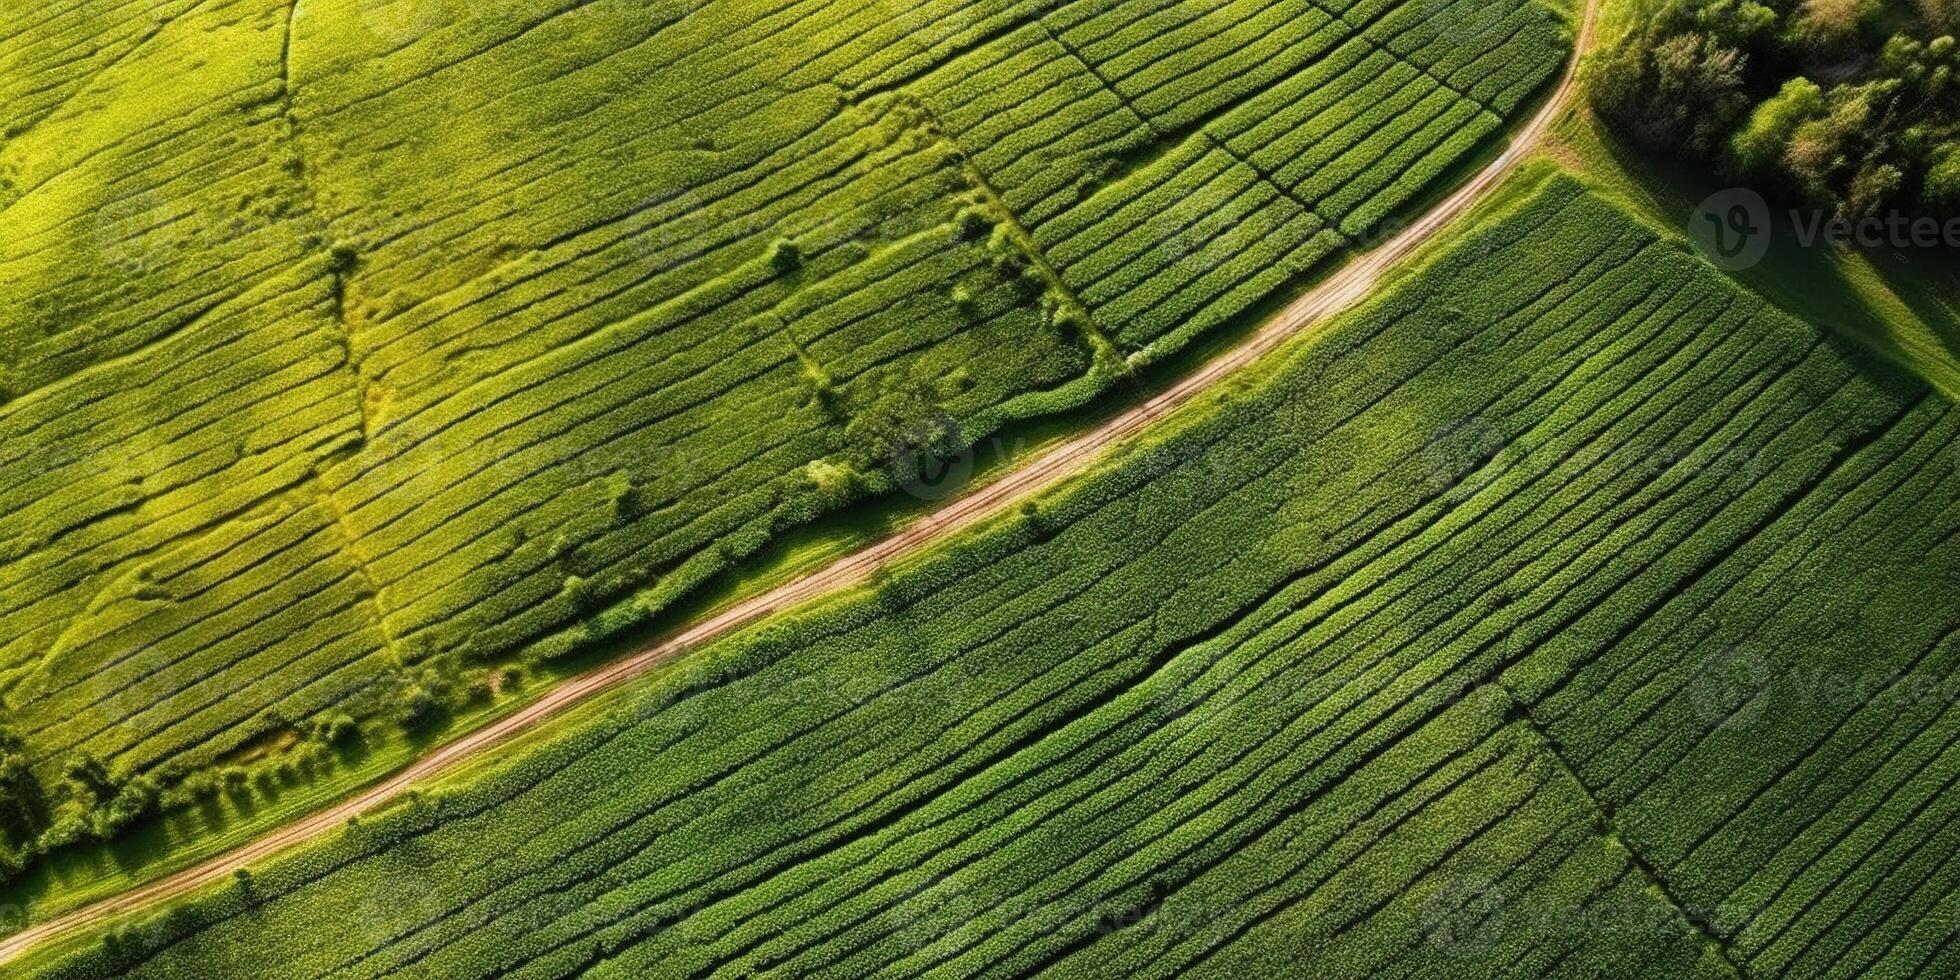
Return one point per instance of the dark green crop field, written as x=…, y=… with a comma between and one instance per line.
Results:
x=352, y=349
x=1566, y=611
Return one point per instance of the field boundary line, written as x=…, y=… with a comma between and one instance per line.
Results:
x=1695, y=920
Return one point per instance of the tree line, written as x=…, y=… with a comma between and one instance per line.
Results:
x=1846, y=104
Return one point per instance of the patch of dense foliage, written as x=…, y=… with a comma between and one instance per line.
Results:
x=1849, y=104
x=1566, y=612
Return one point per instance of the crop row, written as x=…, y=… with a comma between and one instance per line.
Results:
x=1269, y=687
x=1348, y=139
x=1776, y=735
x=390, y=347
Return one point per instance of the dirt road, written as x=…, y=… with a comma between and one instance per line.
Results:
x=1347, y=287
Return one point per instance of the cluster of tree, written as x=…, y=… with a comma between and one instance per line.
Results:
x=91, y=803
x=86, y=801
x=1851, y=104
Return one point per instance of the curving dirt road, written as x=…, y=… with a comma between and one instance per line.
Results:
x=1345, y=288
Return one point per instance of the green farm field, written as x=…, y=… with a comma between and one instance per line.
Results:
x=1568, y=610
x=877, y=488
x=364, y=357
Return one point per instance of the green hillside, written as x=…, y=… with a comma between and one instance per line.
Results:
x=1566, y=611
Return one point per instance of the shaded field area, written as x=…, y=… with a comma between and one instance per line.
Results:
x=391, y=342
x=1566, y=611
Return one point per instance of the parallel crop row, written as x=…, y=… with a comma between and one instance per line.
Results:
x=1368, y=670
x=1337, y=123
x=399, y=342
